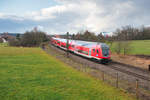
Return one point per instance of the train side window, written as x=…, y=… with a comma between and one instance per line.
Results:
x=72, y=46
x=93, y=50
x=97, y=51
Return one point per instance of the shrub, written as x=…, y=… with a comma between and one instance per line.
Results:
x=33, y=38
x=29, y=39
x=14, y=42
x=122, y=47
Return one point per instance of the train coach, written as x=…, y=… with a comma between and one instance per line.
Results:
x=93, y=50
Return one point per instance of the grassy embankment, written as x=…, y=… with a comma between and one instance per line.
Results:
x=31, y=74
x=137, y=47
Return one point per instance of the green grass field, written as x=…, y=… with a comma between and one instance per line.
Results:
x=31, y=74
x=138, y=47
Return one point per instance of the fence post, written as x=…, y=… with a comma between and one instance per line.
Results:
x=103, y=75
x=137, y=86
x=116, y=80
x=85, y=67
x=67, y=44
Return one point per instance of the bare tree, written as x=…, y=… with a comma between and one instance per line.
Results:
x=118, y=47
x=126, y=47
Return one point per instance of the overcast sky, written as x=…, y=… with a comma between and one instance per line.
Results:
x=60, y=16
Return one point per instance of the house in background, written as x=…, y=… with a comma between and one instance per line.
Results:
x=107, y=34
x=4, y=37
x=2, y=40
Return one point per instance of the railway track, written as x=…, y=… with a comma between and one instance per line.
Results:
x=132, y=71
x=127, y=74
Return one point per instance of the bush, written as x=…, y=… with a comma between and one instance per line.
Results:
x=122, y=47
x=29, y=39
x=33, y=38
x=14, y=42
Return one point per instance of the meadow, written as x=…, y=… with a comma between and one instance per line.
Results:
x=31, y=74
x=137, y=47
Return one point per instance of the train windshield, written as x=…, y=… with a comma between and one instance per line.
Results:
x=105, y=50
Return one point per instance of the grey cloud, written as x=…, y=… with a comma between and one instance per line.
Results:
x=109, y=15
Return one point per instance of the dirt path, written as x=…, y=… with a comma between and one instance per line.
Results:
x=138, y=61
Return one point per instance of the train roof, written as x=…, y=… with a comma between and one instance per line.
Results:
x=83, y=43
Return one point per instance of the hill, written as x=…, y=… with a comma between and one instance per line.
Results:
x=11, y=34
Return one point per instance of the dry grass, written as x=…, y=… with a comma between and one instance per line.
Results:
x=132, y=60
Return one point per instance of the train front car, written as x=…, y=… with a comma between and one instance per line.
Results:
x=105, y=52
x=100, y=52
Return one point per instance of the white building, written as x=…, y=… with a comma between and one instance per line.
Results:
x=107, y=34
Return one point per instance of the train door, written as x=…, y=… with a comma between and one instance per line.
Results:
x=97, y=52
x=93, y=52
x=89, y=52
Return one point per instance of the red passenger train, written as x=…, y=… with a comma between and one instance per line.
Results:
x=93, y=50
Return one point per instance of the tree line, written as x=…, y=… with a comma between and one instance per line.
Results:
x=121, y=37
x=123, y=34
x=33, y=38
x=132, y=33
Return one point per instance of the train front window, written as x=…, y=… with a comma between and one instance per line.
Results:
x=93, y=50
x=105, y=50
x=97, y=51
